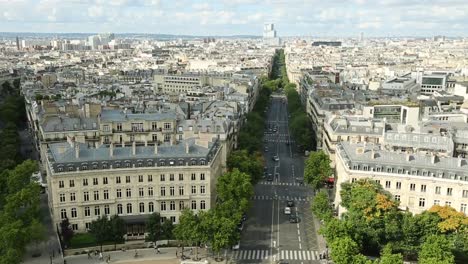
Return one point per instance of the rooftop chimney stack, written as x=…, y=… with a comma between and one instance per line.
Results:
x=459, y=162
x=77, y=151
x=111, y=149
x=133, y=148
x=433, y=158
x=187, y=148
x=155, y=148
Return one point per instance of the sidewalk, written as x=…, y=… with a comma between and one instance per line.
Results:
x=145, y=256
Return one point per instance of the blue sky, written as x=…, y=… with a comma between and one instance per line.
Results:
x=233, y=17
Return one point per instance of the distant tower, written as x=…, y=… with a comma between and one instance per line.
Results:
x=269, y=35
x=361, y=37
x=17, y=43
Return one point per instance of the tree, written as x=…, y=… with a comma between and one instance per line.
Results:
x=343, y=250
x=452, y=221
x=436, y=249
x=36, y=232
x=321, y=206
x=225, y=233
x=66, y=232
x=167, y=229
x=317, y=169
x=387, y=256
x=154, y=227
x=251, y=164
x=7, y=88
x=100, y=230
x=117, y=230
x=185, y=230
x=235, y=186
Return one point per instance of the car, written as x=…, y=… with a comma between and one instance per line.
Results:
x=270, y=177
x=287, y=210
x=236, y=246
x=300, y=181
x=244, y=217
x=275, y=158
x=290, y=203
x=266, y=149
x=293, y=218
x=240, y=226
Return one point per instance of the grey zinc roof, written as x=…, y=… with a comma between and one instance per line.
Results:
x=120, y=116
x=399, y=160
x=64, y=153
x=64, y=123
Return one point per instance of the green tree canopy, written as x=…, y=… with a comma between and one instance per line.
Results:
x=154, y=227
x=343, y=250
x=321, y=206
x=317, y=169
x=117, y=230
x=100, y=230
x=436, y=249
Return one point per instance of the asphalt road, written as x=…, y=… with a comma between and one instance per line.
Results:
x=268, y=236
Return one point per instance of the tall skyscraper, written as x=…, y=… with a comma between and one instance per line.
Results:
x=269, y=35
x=17, y=43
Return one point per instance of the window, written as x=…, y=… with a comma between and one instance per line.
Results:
x=436, y=202
x=129, y=208
x=448, y=203
x=154, y=125
x=119, y=193
x=106, y=194
x=163, y=191
x=127, y=179
x=96, y=195
x=202, y=189
x=87, y=211
x=141, y=192
x=63, y=213
x=162, y=177
x=173, y=219
x=74, y=227
x=62, y=197
x=72, y=183
x=202, y=176
x=150, y=191
x=398, y=185
x=388, y=184
x=155, y=137
x=181, y=177
x=105, y=128
x=181, y=205
x=449, y=191
x=86, y=196
x=119, y=126
x=463, y=208
x=105, y=181
x=193, y=176
x=171, y=191
x=171, y=177
x=465, y=193
x=412, y=187
x=167, y=137
x=85, y=182
x=142, y=207
x=397, y=197
x=106, y=209
x=61, y=184
x=167, y=126
x=423, y=188
x=150, y=207
x=72, y=197
x=353, y=180
x=202, y=205
x=117, y=179
x=88, y=225
x=437, y=190
x=194, y=189
x=119, y=209
x=97, y=210
x=129, y=192
x=73, y=213
x=95, y=181
x=163, y=206
x=422, y=202
x=172, y=206
x=140, y=178
x=194, y=205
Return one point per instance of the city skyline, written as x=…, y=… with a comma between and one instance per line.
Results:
x=240, y=17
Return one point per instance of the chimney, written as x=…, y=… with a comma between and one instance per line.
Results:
x=77, y=151
x=155, y=148
x=187, y=148
x=433, y=158
x=133, y=148
x=459, y=161
x=111, y=149
x=372, y=154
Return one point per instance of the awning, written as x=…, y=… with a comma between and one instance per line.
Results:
x=135, y=219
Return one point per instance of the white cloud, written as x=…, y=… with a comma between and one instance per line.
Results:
x=95, y=11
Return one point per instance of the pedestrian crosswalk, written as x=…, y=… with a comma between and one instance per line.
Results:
x=281, y=198
x=280, y=140
x=281, y=183
x=283, y=255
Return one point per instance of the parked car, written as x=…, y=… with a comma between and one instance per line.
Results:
x=290, y=203
x=275, y=158
x=236, y=246
x=287, y=210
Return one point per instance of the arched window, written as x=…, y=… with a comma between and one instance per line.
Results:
x=150, y=207
x=202, y=204
x=119, y=209
x=142, y=207
x=129, y=208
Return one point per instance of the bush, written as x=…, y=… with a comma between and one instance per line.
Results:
x=82, y=240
